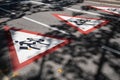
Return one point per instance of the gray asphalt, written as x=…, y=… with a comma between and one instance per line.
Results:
x=89, y=68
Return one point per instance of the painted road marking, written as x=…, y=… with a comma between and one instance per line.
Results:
x=103, y=3
x=91, y=13
x=45, y=25
x=111, y=10
x=39, y=3
x=8, y=11
x=21, y=40
x=35, y=2
x=82, y=24
x=5, y=10
x=110, y=49
x=8, y=3
x=76, y=10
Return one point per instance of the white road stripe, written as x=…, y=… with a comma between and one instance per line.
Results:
x=91, y=13
x=76, y=10
x=45, y=25
x=5, y=10
x=39, y=3
x=8, y=3
x=103, y=3
x=110, y=49
x=35, y=2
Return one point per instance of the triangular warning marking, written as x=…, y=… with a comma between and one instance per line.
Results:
x=82, y=24
x=111, y=10
x=26, y=46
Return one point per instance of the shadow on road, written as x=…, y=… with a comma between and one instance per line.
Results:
x=82, y=59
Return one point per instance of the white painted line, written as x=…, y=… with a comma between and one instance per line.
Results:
x=35, y=2
x=8, y=3
x=45, y=25
x=25, y=2
x=91, y=13
x=5, y=10
x=103, y=3
x=76, y=10
x=110, y=49
x=8, y=11
x=40, y=3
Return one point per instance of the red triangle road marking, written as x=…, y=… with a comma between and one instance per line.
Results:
x=82, y=24
x=111, y=10
x=26, y=46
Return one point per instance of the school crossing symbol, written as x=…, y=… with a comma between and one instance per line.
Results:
x=112, y=10
x=82, y=24
x=26, y=46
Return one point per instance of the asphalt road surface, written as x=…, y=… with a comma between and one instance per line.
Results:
x=82, y=59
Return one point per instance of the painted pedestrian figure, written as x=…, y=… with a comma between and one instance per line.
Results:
x=78, y=21
x=31, y=43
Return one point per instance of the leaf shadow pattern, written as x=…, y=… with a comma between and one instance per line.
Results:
x=84, y=59
x=6, y=67
x=4, y=57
